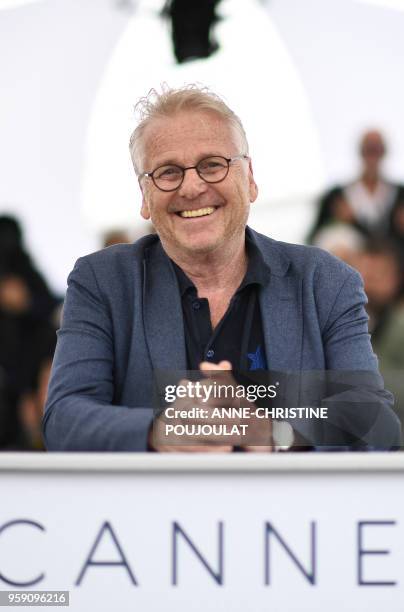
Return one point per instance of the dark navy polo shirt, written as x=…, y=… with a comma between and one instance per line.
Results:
x=238, y=337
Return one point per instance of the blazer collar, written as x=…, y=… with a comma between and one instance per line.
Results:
x=275, y=259
x=281, y=307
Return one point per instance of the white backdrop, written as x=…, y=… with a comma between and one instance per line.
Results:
x=346, y=57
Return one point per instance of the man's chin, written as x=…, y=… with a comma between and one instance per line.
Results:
x=199, y=246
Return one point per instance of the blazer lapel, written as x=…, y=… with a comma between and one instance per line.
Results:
x=162, y=312
x=281, y=308
x=281, y=312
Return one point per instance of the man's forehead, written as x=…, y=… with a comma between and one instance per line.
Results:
x=192, y=128
x=201, y=119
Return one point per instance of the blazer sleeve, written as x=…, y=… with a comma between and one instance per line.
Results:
x=360, y=409
x=80, y=414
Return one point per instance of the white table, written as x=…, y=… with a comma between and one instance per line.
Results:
x=150, y=532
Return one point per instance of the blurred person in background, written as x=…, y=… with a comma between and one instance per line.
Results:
x=367, y=202
x=341, y=240
x=116, y=236
x=6, y=427
x=382, y=270
x=123, y=236
x=381, y=265
x=397, y=220
x=32, y=401
x=26, y=306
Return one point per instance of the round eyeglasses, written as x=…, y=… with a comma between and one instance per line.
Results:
x=213, y=169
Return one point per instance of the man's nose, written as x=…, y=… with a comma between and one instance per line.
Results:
x=192, y=185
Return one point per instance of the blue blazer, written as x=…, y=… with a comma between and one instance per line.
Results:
x=122, y=320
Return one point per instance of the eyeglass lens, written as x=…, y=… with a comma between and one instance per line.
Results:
x=210, y=169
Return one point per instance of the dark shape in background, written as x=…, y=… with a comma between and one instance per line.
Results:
x=192, y=22
x=27, y=315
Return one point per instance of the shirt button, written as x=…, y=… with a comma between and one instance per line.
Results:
x=210, y=353
x=196, y=305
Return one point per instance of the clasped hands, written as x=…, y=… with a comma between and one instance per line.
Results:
x=258, y=432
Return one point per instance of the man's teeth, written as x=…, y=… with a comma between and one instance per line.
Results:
x=201, y=212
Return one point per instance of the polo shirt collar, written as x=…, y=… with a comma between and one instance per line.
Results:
x=258, y=271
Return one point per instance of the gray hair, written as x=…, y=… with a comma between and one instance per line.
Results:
x=171, y=101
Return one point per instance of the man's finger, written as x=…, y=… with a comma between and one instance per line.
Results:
x=207, y=366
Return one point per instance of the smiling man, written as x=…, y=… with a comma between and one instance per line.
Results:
x=207, y=293
x=194, y=208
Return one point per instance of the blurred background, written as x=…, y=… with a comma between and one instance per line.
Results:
x=318, y=85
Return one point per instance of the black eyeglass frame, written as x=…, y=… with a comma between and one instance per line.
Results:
x=229, y=161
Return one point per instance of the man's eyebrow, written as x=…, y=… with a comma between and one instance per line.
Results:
x=166, y=162
x=170, y=161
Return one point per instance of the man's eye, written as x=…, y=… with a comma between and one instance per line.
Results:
x=168, y=172
x=212, y=165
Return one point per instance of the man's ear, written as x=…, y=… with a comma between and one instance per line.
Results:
x=145, y=211
x=252, y=188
